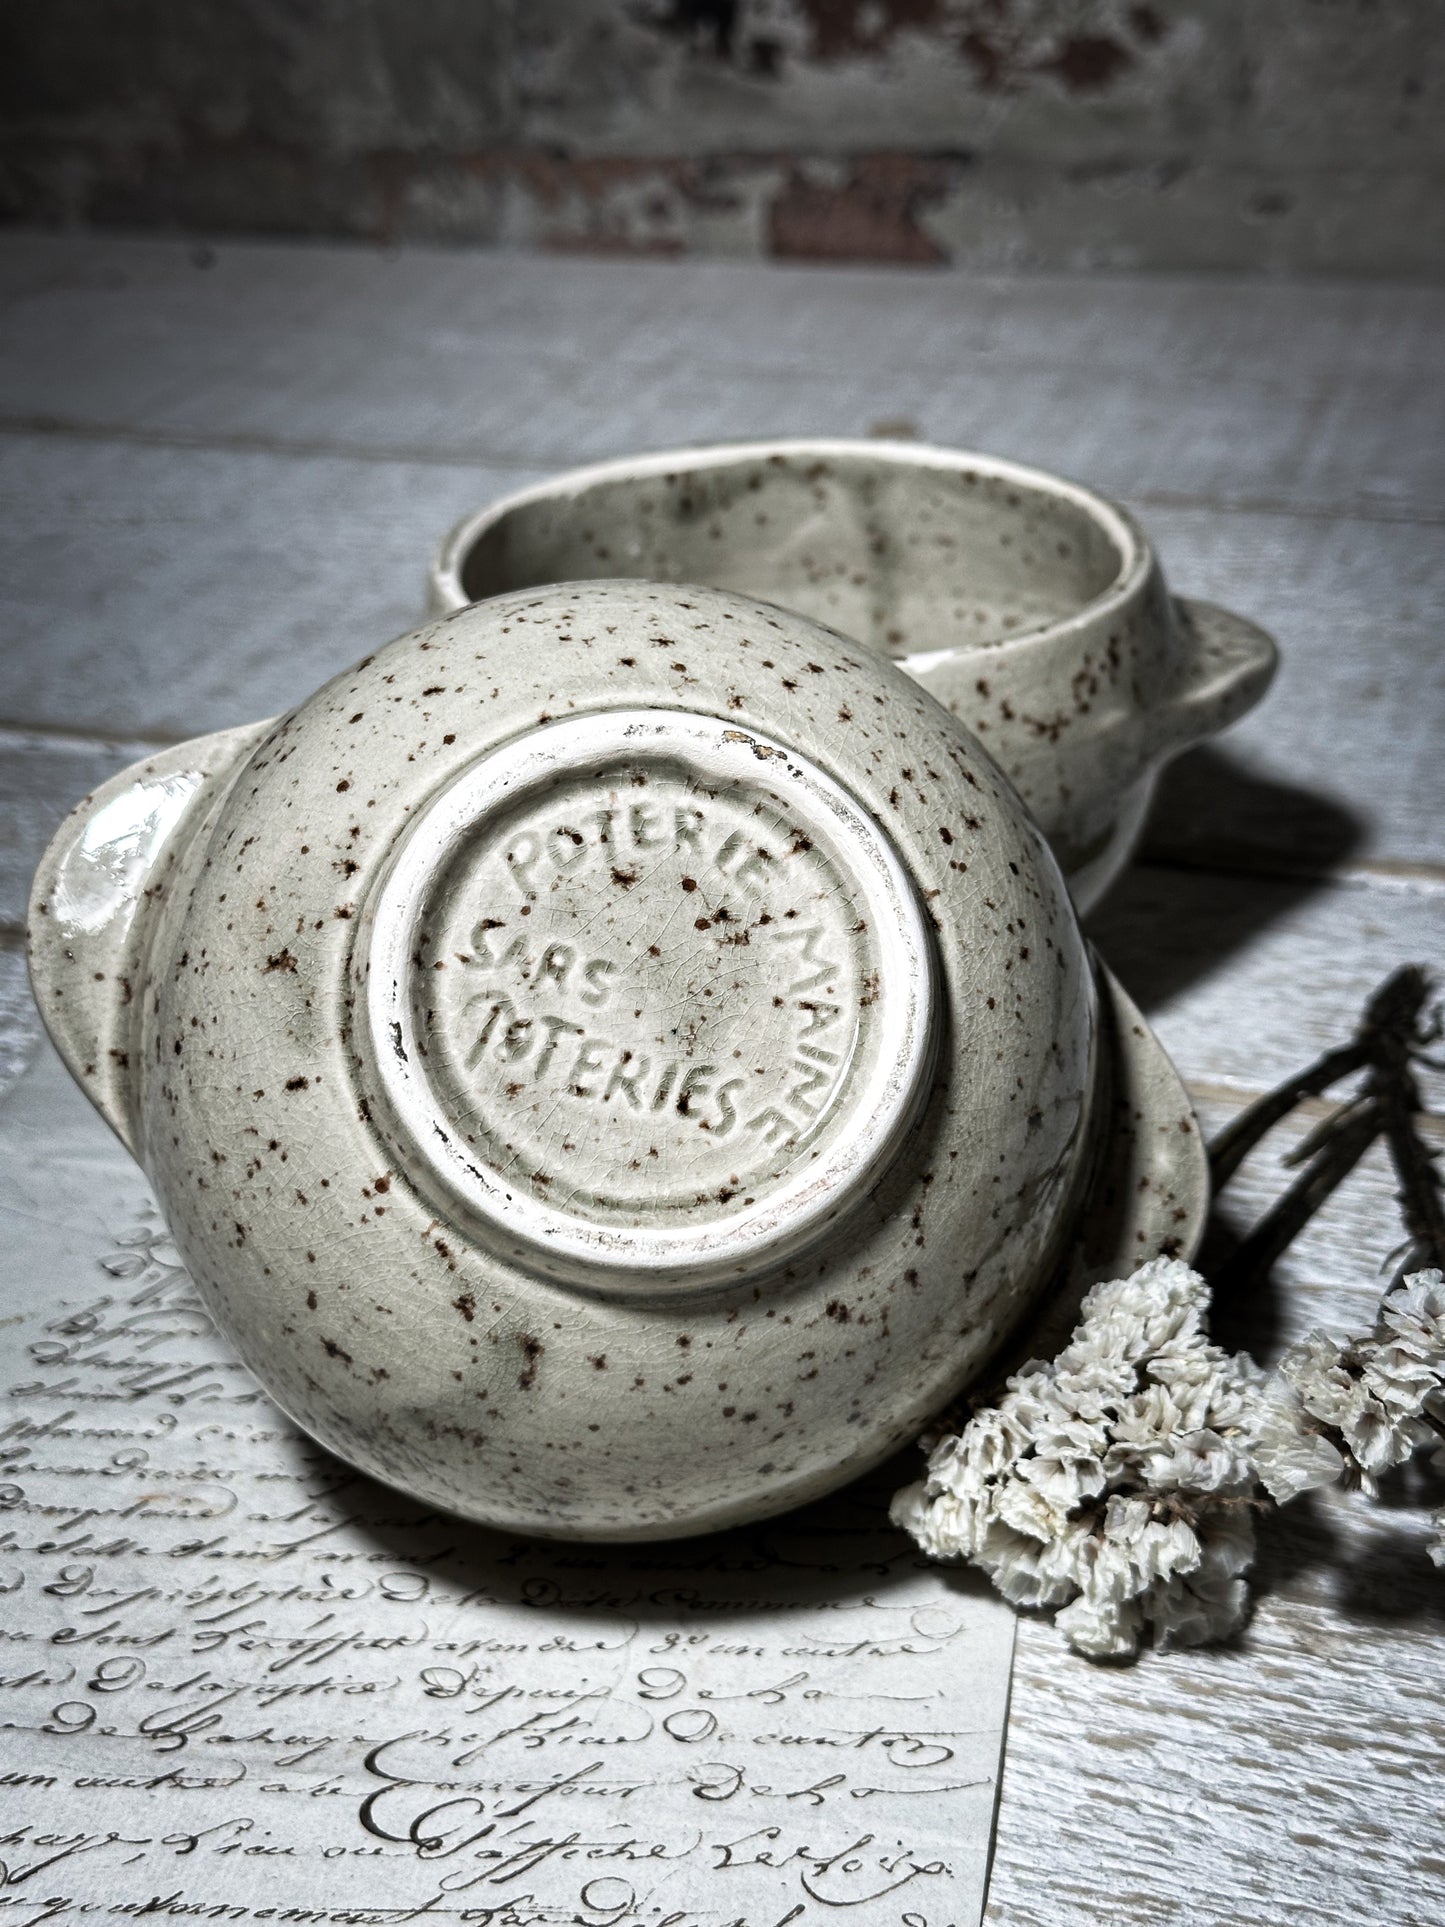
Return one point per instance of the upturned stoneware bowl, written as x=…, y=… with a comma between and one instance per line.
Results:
x=615, y=1061
x=1034, y=610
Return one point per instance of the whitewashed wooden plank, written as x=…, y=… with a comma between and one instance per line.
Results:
x=1232, y=389
x=1291, y=1782
x=20, y=1026
x=1213, y=319
x=1248, y=979
x=1341, y=762
x=159, y=591
x=149, y=592
x=1176, y=436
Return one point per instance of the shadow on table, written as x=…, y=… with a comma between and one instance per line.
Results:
x=1354, y=1556
x=1212, y=812
x=1360, y=1556
x=1226, y=854
x=1251, y=1320
x=837, y=1551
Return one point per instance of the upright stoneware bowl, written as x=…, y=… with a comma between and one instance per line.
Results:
x=1031, y=608
x=615, y=1061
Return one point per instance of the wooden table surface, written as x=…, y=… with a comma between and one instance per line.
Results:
x=221, y=473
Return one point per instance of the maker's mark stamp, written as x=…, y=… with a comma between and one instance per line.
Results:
x=646, y=995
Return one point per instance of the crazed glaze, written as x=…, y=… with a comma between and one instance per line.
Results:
x=667, y=952
x=618, y=1059
x=1032, y=608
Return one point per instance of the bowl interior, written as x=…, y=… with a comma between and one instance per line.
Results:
x=904, y=553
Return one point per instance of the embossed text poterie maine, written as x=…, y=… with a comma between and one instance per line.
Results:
x=667, y=991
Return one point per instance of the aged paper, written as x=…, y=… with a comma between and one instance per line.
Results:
x=240, y=1683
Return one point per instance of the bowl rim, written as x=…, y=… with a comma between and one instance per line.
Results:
x=1136, y=558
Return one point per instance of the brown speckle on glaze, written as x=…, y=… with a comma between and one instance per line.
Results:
x=249, y=1038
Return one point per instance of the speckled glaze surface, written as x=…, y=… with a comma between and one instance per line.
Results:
x=615, y=1062
x=1033, y=609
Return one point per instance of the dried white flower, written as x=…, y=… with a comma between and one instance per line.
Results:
x=1290, y=1458
x=1375, y=1400
x=1116, y=1482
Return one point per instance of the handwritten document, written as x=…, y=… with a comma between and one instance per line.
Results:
x=241, y=1683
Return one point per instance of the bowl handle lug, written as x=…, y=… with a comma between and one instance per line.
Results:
x=1228, y=665
x=96, y=901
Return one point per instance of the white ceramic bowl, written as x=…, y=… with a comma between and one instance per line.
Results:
x=615, y=1062
x=1033, y=609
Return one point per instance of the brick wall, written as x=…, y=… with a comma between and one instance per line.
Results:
x=1274, y=134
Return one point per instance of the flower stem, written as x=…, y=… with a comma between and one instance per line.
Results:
x=1393, y=1036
